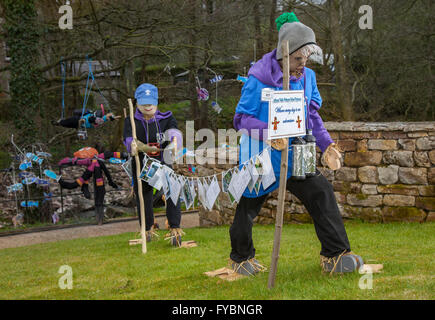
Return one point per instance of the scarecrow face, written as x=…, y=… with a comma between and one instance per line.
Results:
x=147, y=110
x=297, y=63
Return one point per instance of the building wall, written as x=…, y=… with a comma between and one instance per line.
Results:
x=388, y=174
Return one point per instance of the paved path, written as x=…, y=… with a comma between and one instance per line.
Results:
x=188, y=221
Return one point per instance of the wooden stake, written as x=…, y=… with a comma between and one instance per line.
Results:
x=125, y=113
x=282, y=179
x=139, y=181
x=175, y=153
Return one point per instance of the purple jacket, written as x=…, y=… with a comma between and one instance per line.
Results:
x=148, y=130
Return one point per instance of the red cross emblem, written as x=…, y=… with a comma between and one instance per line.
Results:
x=299, y=122
x=275, y=124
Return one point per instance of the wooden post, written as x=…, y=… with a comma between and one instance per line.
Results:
x=61, y=195
x=175, y=153
x=283, y=177
x=139, y=181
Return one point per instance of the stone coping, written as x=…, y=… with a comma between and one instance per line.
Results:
x=380, y=126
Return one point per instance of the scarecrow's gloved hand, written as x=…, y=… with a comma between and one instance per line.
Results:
x=278, y=144
x=332, y=157
x=142, y=147
x=112, y=117
x=173, y=146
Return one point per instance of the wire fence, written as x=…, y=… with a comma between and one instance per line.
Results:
x=48, y=197
x=58, y=196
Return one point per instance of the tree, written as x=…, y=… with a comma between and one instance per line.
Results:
x=22, y=38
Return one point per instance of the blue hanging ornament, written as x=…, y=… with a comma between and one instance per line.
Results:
x=242, y=79
x=29, y=204
x=15, y=187
x=51, y=175
x=116, y=160
x=25, y=165
x=47, y=196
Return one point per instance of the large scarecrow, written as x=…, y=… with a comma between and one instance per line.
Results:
x=315, y=192
x=154, y=131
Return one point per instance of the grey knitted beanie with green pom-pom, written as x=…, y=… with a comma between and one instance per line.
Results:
x=297, y=34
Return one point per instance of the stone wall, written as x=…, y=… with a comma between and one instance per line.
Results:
x=387, y=174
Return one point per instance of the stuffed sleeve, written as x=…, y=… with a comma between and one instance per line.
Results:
x=323, y=139
x=247, y=111
x=173, y=131
x=128, y=135
x=108, y=176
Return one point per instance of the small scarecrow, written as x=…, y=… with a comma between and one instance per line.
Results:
x=86, y=119
x=155, y=130
x=95, y=166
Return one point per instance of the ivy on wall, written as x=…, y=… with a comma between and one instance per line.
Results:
x=22, y=38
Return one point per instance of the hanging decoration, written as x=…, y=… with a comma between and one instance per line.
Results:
x=47, y=196
x=55, y=218
x=251, y=174
x=15, y=187
x=52, y=175
x=202, y=92
x=42, y=182
x=28, y=180
x=85, y=119
x=29, y=204
x=127, y=167
x=63, y=75
x=168, y=68
x=216, y=79
x=242, y=79
x=116, y=160
x=33, y=160
x=216, y=107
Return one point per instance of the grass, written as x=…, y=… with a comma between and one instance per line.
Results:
x=108, y=268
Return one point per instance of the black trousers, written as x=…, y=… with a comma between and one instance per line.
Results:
x=317, y=195
x=99, y=189
x=72, y=122
x=173, y=212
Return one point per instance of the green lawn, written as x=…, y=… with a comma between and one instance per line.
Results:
x=108, y=268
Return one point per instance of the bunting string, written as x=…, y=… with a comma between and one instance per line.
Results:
x=253, y=173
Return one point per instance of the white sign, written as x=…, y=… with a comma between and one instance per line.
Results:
x=267, y=94
x=286, y=114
